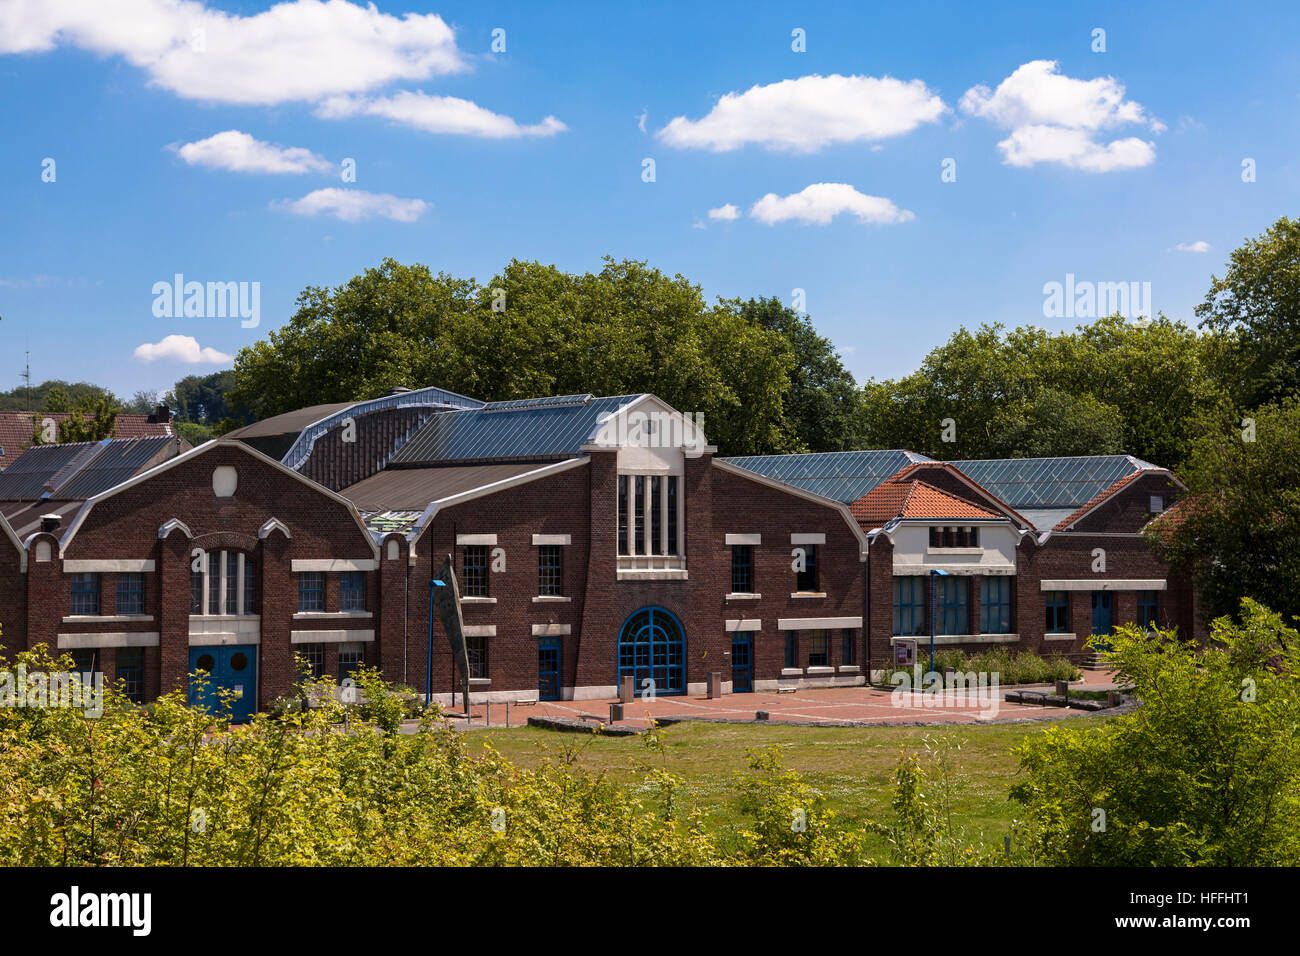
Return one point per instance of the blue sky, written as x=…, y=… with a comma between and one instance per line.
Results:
x=1101, y=165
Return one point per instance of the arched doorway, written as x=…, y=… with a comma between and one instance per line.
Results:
x=652, y=646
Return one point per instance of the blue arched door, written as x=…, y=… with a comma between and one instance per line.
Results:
x=652, y=647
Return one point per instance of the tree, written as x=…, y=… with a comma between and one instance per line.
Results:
x=144, y=402
x=1256, y=307
x=1053, y=423
x=1237, y=533
x=1205, y=772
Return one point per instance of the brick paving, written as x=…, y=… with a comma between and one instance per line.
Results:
x=827, y=706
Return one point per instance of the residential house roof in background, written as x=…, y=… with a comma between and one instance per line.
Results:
x=16, y=430
x=81, y=470
x=840, y=475
x=915, y=499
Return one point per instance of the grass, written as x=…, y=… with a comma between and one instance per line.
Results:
x=853, y=767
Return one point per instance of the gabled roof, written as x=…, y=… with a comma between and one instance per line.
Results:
x=80, y=470
x=915, y=499
x=841, y=475
x=1052, y=483
x=530, y=430
x=16, y=430
x=1103, y=496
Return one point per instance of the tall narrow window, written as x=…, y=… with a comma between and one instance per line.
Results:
x=848, y=646
x=351, y=657
x=476, y=570
x=791, y=649
x=130, y=592
x=950, y=605
x=806, y=579
x=742, y=569
x=819, y=649
x=1148, y=609
x=550, y=581
x=656, y=515
x=476, y=647
x=250, y=585
x=1058, y=611
x=85, y=593
x=995, y=605
x=639, y=532
x=352, y=591
x=672, y=515
x=909, y=605
x=311, y=591
x=232, y=581
x=196, y=591
x=86, y=661
x=130, y=672
x=313, y=660
x=213, y=559
x=622, y=513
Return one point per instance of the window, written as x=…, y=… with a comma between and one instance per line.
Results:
x=85, y=594
x=550, y=579
x=848, y=646
x=476, y=647
x=1157, y=504
x=230, y=563
x=196, y=591
x=909, y=605
x=995, y=605
x=219, y=584
x=313, y=660
x=647, y=515
x=951, y=598
x=819, y=649
x=352, y=593
x=742, y=569
x=954, y=537
x=86, y=661
x=1148, y=608
x=476, y=570
x=130, y=672
x=791, y=649
x=311, y=591
x=806, y=580
x=130, y=593
x=1058, y=611
x=250, y=584
x=351, y=657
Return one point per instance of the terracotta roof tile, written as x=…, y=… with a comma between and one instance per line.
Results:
x=913, y=499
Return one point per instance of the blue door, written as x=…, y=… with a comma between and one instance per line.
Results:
x=548, y=668
x=232, y=669
x=1101, y=614
x=742, y=664
x=652, y=648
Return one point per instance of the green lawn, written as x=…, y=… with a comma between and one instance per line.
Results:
x=852, y=767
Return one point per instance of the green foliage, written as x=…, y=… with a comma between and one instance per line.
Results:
x=1205, y=772
x=1238, y=532
x=1255, y=308
x=54, y=395
x=1022, y=667
x=202, y=400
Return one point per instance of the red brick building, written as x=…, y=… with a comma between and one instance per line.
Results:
x=594, y=539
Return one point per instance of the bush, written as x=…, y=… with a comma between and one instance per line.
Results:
x=1022, y=667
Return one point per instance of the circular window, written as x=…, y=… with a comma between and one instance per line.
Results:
x=238, y=662
x=206, y=663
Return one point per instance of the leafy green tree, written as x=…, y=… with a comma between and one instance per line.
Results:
x=1205, y=772
x=1237, y=534
x=1256, y=308
x=1053, y=423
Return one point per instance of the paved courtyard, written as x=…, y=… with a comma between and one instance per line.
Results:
x=839, y=705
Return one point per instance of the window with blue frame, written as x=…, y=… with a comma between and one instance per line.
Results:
x=550, y=579
x=130, y=592
x=848, y=645
x=475, y=567
x=1058, y=611
x=86, y=661
x=805, y=581
x=909, y=605
x=791, y=649
x=742, y=569
x=352, y=591
x=351, y=656
x=311, y=591
x=951, y=603
x=1148, y=610
x=85, y=593
x=995, y=605
x=130, y=672
x=313, y=660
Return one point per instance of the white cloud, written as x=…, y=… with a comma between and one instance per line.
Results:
x=298, y=50
x=437, y=114
x=822, y=202
x=725, y=213
x=241, y=153
x=809, y=113
x=1056, y=119
x=355, y=205
x=1200, y=245
x=180, y=348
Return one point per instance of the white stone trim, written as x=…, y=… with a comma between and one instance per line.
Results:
x=745, y=624
x=552, y=599
x=1058, y=637
x=540, y=539
x=273, y=524
x=488, y=539
x=329, y=637
x=653, y=574
x=807, y=594
x=174, y=524
x=478, y=600
x=107, y=618
x=816, y=623
x=957, y=570
x=744, y=539
x=924, y=639
x=743, y=596
x=220, y=638
x=479, y=630
x=813, y=537
x=1104, y=584
x=552, y=630
x=121, y=565
x=113, y=639
x=332, y=615
x=333, y=564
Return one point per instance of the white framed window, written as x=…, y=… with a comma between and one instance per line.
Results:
x=227, y=586
x=651, y=518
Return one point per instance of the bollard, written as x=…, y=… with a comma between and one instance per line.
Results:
x=1063, y=688
x=1114, y=698
x=507, y=715
x=615, y=712
x=715, y=685
x=627, y=690
x=760, y=715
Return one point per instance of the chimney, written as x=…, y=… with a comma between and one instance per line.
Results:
x=50, y=523
x=162, y=414
x=398, y=390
